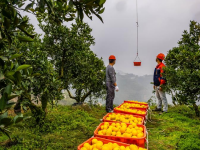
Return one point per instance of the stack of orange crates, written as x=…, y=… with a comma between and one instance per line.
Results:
x=131, y=118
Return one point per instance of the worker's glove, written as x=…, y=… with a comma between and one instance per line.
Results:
x=116, y=88
x=159, y=88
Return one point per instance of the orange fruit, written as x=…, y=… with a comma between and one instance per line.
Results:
x=140, y=135
x=94, y=141
x=87, y=146
x=114, y=133
x=123, y=130
x=99, y=146
x=115, y=145
x=133, y=147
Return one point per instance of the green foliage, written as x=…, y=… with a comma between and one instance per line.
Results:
x=78, y=66
x=177, y=129
x=189, y=141
x=182, y=71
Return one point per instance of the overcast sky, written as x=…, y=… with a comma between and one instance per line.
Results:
x=161, y=24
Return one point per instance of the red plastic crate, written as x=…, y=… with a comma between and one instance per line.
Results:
x=105, y=141
x=137, y=141
x=125, y=112
x=104, y=118
x=137, y=63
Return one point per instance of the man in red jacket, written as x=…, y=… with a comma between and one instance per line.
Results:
x=158, y=82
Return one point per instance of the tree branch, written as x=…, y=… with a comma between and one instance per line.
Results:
x=70, y=95
x=85, y=96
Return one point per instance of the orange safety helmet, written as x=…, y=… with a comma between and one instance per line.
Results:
x=112, y=57
x=161, y=56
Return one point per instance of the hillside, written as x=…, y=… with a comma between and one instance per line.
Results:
x=66, y=127
x=135, y=86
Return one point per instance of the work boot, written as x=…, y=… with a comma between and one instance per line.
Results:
x=157, y=109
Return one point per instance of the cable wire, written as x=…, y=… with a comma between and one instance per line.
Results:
x=137, y=24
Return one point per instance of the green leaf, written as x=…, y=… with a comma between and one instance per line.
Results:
x=7, y=23
x=6, y=121
x=8, y=89
x=27, y=117
x=6, y=13
x=36, y=74
x=29, y=6
x=3, y=102
x=18, y=77
x=18, y=118
x=15, y=56
x=101, y=2
x=2, y=76
x=23, y=67
x=4, y=58
x=10, y=73
x=4, y=115
x=68, y=19
x=71, y=4
x=25, y=39
x=96, y=15
x=16, y=21
x=102, y=10
x=49, y=4
x=11, y=78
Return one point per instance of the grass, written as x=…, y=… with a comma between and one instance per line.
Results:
x=66, y=127
x=177, y=130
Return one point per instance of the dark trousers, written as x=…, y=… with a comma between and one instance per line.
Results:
x=110, y=96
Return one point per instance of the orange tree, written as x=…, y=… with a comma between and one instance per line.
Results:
x=182, y=71
x=79, y=68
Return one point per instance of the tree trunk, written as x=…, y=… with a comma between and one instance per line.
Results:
x=85, y=96
x=196, y=108
x=17, y=108
x=38, y=114
x=63, y=63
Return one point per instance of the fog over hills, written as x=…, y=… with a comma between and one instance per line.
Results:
x=133, y=87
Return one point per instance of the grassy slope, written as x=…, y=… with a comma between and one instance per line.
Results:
x=178, y=129
x=66, y=127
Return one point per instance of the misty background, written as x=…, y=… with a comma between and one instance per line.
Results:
x=161, y=24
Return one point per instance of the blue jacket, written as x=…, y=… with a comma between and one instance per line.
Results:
x=157, y=78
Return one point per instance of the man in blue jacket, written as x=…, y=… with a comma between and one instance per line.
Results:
x=158, y=82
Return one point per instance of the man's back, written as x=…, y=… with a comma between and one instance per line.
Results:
x=110, y=74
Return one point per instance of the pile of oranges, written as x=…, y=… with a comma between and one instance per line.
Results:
x=126, y=118
x=135, y=111
x=121, y=130
x=137, y=102
x=129, y=105
x=98, y=145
